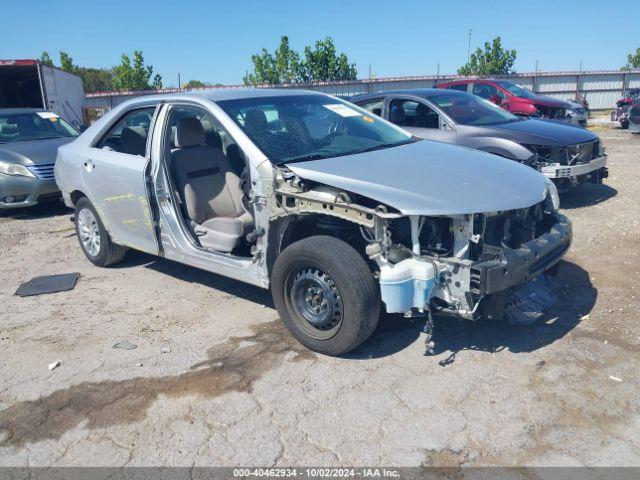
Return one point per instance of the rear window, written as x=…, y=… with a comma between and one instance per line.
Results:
x=461, y=87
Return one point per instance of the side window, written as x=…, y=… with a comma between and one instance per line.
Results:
x=374, y=106
x=462, y=87
x=484, y=90
x=426, y=117
x=215, y=135
x=403, y=112
x=129, y=134
x=489, y=92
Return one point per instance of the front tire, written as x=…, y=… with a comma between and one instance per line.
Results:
x=326, y=294
x=94, y=239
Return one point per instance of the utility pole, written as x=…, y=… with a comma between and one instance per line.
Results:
x=179, y=84
x=437, y=74
x=469, y=47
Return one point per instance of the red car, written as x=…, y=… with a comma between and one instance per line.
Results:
x=624, y=106
x=519, y=100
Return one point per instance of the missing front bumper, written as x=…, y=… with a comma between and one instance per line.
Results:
x=519, y=265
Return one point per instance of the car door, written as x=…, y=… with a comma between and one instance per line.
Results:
x=418, y=117
x=115, y=175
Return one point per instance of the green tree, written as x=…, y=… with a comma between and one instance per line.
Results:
x=493, y=60
x=46, y=59
x=66, y=63
x=96, y=79
x=633, y=60
x=157, y=81
x=264, y=70
x=134, y=75
x=321, y=63
x=194, y=84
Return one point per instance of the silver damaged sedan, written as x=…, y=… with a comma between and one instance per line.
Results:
x=339, y=212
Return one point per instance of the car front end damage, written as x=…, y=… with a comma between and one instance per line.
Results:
x=570, y=165
x=447, y=264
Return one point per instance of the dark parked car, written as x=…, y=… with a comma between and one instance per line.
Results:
x=29, y=141
x=519, y=100
x=567, y=154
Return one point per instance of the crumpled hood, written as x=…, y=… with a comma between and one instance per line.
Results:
x=32, y=152
x=430, y=178
x=542, y=132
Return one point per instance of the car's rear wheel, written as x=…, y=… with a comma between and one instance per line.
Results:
x=94, y=238
x=624, y=124
x=325, y=294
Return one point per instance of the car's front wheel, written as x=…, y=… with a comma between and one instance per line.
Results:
x=325, y=294
x=94, y=238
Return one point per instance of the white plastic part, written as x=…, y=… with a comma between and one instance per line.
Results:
x=407, y=284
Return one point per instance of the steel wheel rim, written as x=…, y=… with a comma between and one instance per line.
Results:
x=317, y=303
x=89, y=232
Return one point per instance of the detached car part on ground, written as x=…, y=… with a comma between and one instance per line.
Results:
x=520, y=100
x=566, y=154
x=334, y=209
x=29, y=141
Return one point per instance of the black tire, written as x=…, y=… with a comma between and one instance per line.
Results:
x=108, y=252
x=357, y=292
x=624, y=125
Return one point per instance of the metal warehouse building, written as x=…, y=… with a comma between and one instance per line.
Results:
x=601, y=88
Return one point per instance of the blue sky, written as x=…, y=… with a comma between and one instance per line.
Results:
x=213, y=40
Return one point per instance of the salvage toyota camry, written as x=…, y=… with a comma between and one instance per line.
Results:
x=334, y=209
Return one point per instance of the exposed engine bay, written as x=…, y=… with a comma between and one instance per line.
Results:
x=446, y=264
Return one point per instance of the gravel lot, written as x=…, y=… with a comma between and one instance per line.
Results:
x=235, y=389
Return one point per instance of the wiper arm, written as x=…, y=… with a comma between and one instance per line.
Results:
x=381, y=146
x=305, y=158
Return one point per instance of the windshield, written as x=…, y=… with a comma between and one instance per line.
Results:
x=516, y=90
x=466, y=109
x=310, y=127
x=22, y=127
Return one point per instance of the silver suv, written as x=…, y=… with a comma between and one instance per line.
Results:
x=334, y=209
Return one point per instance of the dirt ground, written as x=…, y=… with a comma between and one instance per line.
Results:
x=216, y=380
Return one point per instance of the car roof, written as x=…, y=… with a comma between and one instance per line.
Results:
x=225, y=94
x=416, y=92
x=15, y=111
x=475, y=80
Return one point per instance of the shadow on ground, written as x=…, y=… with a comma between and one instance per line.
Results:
x=576, y=297
x=587, y=195
x=44, y=210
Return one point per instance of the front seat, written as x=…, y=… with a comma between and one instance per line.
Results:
x=210, y=190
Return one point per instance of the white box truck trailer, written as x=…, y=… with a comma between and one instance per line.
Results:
x=32, y=84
